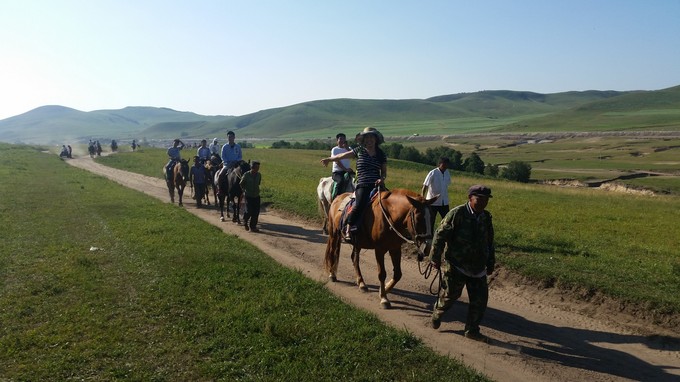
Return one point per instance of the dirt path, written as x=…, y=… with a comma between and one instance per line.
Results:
x=536, y=335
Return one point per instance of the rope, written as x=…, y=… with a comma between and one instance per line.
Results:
x=428, y=268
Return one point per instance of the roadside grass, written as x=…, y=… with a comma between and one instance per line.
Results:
x=589, y=239
x=102, y=282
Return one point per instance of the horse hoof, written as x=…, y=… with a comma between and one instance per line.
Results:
x=385, y=304
x=332, y=278
x=221, y=218
x=363, y=287
x=180, y=204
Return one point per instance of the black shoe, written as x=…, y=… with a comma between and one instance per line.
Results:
x=246, y=227
x=254, y=229
x=477, y=336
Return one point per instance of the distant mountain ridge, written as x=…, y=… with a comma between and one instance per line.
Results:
x=484, y=111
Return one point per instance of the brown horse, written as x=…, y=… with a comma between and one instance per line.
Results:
x=178, y=179
x=392, y=219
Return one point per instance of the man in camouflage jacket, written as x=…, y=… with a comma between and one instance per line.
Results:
x=465, y=237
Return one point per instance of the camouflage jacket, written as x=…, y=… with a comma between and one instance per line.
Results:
x=466, y=240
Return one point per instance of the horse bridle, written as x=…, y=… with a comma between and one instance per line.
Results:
x=410, y=227
x=416, y=243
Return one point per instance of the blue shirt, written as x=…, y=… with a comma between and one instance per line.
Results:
x=231, y=154
x=203, y=153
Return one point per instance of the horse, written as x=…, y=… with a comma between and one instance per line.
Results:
x=324, y=191
x=212, y=165
x=228, y=188
x=177, y=179
x=92, y=150
x=391, y=219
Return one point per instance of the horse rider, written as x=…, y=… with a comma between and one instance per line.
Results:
x=466, y=239
x=174, y=156
x=341, y=168
x=134, y=145
x=214, y=147
x=371, y=173
x=203, y=152
x=231, y=152
x=64, y=151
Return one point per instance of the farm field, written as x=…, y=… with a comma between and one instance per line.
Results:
x=100, y=282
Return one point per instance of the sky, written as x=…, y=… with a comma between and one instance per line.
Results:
x=224, y=57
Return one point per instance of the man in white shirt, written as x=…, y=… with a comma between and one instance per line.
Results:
x=341, y=168
x=437, y=182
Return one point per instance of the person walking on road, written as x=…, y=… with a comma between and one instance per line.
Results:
x=466, y=239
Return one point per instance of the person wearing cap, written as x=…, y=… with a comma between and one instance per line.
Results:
x=250, y=183
x=231, y=152
x=371, y=173
x=174, y=156
x=466, y=239
x=214, y=147
x=341, y=169
x=437, y=183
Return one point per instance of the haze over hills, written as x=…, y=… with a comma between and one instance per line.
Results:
x=484, y=111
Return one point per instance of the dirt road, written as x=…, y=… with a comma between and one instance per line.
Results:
x=536, y=334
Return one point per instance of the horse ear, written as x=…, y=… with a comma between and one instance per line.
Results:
x=434, y=199
x=415, y=202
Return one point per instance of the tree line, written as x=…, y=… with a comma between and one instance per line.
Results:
x=515, y=170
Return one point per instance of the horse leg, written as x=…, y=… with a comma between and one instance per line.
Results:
x=171, y=191
x=357, y=269
x=382, y=275
x=180, y=192
x=395, y=255
x=221, y=204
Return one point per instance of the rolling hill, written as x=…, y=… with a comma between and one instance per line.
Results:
x=484, y=111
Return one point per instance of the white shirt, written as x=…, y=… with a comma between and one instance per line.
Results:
x=437, y=182
x=345, y=162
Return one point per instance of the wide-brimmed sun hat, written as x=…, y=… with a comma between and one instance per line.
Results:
x=372, y=130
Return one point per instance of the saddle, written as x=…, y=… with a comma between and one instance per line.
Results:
x=346, y=207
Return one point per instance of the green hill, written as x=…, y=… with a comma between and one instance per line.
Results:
x=639, y=111
x=484, y=111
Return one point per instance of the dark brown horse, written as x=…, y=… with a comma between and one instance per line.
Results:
x=392, y=219
x=229, y=188
x=212, y=166
x=178, y=179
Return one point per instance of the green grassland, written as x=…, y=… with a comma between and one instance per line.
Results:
x=577, y=238
x=100, y=282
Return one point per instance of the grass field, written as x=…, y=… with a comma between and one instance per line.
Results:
x=100, y=282
x=578, y=238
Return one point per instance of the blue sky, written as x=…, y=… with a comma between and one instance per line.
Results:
x=238, y=57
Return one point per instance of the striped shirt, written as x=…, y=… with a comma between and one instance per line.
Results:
x=368, y=167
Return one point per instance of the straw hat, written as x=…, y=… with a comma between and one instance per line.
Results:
x=372, y=130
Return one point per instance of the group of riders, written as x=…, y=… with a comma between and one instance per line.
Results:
x=94, y=148
x=462, y=245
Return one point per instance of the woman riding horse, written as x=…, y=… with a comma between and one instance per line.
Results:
x=391, y=219
x=371, y=172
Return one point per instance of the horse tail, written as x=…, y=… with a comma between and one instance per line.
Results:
x=332, y=256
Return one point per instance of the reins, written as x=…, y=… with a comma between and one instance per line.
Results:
x=421, y=255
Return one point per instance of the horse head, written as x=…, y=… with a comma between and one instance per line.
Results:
x=184, y=169
x=419, y=222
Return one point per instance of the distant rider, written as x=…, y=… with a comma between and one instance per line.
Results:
x=174, y=156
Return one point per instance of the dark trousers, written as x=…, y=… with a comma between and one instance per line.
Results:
x=252, y=211
x=441, y=210
x=363, y=197
x=478, y=292
x=199, y=192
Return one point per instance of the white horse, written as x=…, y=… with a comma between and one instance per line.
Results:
x=324, y=191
